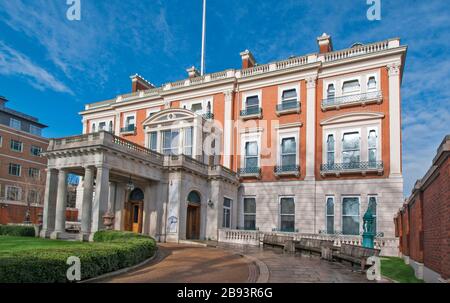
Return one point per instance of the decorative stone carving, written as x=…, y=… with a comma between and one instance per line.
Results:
x=393, y=69
x=311, y=82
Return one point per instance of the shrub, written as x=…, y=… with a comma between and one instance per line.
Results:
x=17, y=230
x=112, y=251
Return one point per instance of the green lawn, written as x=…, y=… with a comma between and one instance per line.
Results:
x=396, y=269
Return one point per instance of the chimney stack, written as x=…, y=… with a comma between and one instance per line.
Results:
x=138, y=83
x=325, y=43
x=192, y=72
x=248, y=60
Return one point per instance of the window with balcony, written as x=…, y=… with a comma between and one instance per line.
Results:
x=153, y=141
x=331, y=91
x=351, y=87
x=188, y=141
x=287, y=214
x=289, y=100
x=372, y=84
x=350, y=215
x=14, y=123
x=16, y=146
x=249, y=213
x=13, y=193
x=170, y=139
x=251, y=106
x=130, y=124
x=14, y=169
x=330, y=215
x=351, y=150
x=372, y=205
x=288, y=159
x=35, y=130
x=330, y=150
x=251, y=155
x=226, y=220
x=372, y=148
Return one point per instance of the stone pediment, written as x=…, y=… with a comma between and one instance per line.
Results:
x=168, y=115
x=352, y=117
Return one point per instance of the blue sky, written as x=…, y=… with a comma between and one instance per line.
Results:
x=50, y=66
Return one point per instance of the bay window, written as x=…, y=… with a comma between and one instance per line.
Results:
x=188, y=141
x=153, y=141
x=170, y=139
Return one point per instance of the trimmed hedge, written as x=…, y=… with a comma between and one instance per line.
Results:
x=17, y=230
x=110, y=251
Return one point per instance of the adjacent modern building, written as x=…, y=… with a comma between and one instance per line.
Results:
x=423, y=223
x=22, y=168
x=302, y=145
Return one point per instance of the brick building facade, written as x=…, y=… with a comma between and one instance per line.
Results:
x=423, y=223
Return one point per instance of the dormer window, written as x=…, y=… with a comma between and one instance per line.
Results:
x=331, y=91
x=350, y=87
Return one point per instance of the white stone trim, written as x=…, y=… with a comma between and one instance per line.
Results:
x=289, y=86
x=287, y=133
x=246, y=94
x=250, y=137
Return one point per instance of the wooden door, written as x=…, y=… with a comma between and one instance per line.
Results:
x=193, y=222
x=133, y=217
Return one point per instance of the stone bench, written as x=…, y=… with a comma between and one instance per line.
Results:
x=322, y=247
x=355, y=254
x=278, y=240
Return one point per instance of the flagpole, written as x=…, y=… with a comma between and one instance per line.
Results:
x=202, y=67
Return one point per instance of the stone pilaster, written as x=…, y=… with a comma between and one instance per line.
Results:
x=228, y=129
x=100, y=206
x=310, y=126
x=49, y=213
x=61, y=204
x=394, y=119
x=86, y=217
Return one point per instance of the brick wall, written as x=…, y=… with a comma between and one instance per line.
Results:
x=11, y=213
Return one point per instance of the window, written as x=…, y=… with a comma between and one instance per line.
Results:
x=288, y=152
x=33, y=197
x=208, y=107
x=330, y=215
x=252, y=105
x=331, y=91
x=102, y=126
x=33, y=172
x=350, y=215
x=36, y=150
x=351, y=149
x=16, y=145
x=372, y=84
x=289, y=98
x=15, y=169
x=372, y=146
x=14, y=123
x=372, y=205
x=227, y=213
x=251, y=154
x=110, y=128
x=35, y=130
x=13, y=193
x=1, y=141
x=170, y=142
x=351, y=87
x=249, y=213
x=129, y=122
x=153, y=141
x=330, y=150
x=93, y=127
x=197, y=108
x=188, y=139
x=287, y=214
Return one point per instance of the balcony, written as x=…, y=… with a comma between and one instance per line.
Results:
x=288, y=107
x=352, y=167
x=251, y=113
x=208, y=116
x=250, y=172
x=352, y=100
x=287, y=170
x=128, y=130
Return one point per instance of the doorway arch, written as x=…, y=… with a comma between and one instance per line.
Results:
x=134, y=211
x=193, y=215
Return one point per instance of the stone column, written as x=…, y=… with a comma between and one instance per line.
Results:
x=310, y=126
x=86, y=207
x=394, y=119
x=100, y=206
x=228, y=129
x=61, y=204
x=49, y=213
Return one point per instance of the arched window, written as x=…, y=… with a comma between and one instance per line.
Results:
x=110, y=126
x=372, y=84
x=330, y=150
x=137, y=195
x=194, y=197
x=372, y=144
x=331, y=91
x=93, y=127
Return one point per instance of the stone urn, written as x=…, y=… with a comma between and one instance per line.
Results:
x=108, y=220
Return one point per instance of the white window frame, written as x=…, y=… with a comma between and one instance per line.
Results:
x=97, y=122
x=19, y=194
x=34, y=169
x=361, y=145
x=36, y=202
x=178, y=149
x=250, y=138
x=230, y=208
x=327, y=83
x=377, y=80
x=37, y=130
x=249, y=214
x=288, y=133
x=204, y=101
x=353, y=92
x=282, y=88
x=377, y=143
x=12, y=121
x=152, y=111
x=20, y=169
x=126, y=116
x=21, y=146
x=183, y=143
x=279, y=211
x=325, y=147
x=327, y=215
x=359, y=212
x=253, y=93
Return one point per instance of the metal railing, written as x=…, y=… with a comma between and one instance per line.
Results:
x=357, y=98
x=286, y=169
x=128, y=129
x=288, y=105
x=250, y=111
x=249, y=171
x=352, y=166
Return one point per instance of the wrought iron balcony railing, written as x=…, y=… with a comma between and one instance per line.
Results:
x=249, y=171
x=287, y=169
x=288, y=106
x=337, y=102
x=128, y=129
x=208, y=116
x=251, y=112
x=352, y=167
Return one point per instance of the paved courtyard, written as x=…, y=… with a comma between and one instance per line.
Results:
x=225, y=264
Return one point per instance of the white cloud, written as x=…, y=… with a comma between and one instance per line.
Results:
x=13, y=62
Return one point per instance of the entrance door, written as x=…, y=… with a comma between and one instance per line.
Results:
x=134, y=216
x=193, y=222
